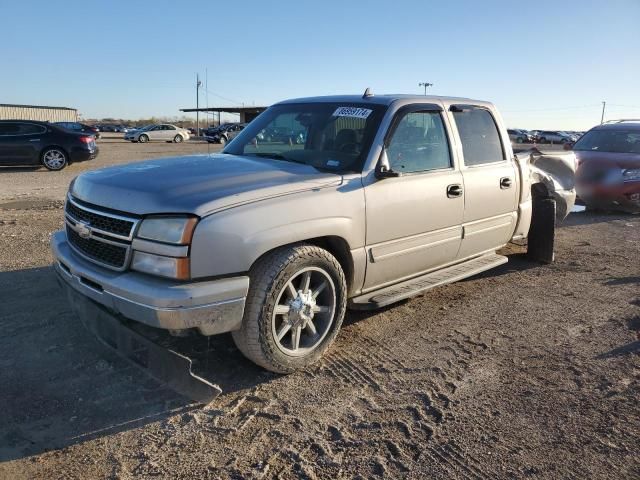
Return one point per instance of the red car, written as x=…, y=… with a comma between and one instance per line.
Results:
x=608, y=174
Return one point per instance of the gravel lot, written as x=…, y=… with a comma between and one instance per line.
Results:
x=526, y=371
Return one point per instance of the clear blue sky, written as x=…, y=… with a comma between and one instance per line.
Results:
x=546, y=64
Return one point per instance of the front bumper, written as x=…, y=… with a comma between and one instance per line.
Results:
x=214, y=306
x=625, y=197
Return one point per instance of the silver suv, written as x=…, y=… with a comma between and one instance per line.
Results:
x=386, y=198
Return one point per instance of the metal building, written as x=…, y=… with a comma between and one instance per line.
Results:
x=37, y=112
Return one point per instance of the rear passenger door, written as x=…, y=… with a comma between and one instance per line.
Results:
x=20, y=143
x=490, y=182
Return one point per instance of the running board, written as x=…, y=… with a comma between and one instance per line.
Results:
x=416, y=286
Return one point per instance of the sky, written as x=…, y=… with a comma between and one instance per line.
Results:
x=545, y=64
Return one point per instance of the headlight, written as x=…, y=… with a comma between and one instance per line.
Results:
x=161, y=246
x=631, y=175
x=176, y=230
x=170, y=267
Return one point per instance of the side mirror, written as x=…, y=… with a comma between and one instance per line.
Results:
x=383, y=169
x=568, y=146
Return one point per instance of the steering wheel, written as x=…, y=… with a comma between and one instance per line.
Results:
x=349, y=147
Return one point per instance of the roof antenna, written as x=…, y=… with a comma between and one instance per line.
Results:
x=367, y=93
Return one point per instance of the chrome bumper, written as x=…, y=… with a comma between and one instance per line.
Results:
x=212, y=307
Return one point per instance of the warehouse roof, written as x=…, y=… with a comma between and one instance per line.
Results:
x=252, y=109
x=34, y=106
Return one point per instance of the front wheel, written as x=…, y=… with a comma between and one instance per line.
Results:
x=54, y=158
x=294, y=310
x=177, y=139
x=222, y=140
x=143, y=139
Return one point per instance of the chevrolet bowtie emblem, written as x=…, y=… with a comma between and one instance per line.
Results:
x=83, y=229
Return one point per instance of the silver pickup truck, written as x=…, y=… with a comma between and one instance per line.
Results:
x=387, y=197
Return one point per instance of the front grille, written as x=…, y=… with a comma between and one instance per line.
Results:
x=106, y=253
x=105, y=223
x=100, y=236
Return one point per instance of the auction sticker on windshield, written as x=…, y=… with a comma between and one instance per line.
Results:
x=354, y=112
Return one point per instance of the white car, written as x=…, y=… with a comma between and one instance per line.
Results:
x=166, y=132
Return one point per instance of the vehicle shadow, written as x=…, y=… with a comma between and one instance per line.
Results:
x=60, y=386
x=588, y=218
x=633, y=324
x=623, y=281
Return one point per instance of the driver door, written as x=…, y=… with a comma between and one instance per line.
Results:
x=414, y=221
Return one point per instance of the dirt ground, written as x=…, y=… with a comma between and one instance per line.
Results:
x=526, y=371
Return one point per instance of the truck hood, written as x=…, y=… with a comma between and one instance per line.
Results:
x=196, y=184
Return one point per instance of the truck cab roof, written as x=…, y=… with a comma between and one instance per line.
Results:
x=387, y=99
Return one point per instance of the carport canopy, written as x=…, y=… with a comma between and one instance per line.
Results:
x=246, y=113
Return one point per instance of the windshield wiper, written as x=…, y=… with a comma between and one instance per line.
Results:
x=277, y=156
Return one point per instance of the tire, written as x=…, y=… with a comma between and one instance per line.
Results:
x=178, y=139
x=222, y=140
x=54, y=158
x=143, y=138
x=519, y=140
x=267, y=336
x=542, y=140
x=541, y=239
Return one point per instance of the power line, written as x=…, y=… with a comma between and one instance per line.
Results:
x=224, y=98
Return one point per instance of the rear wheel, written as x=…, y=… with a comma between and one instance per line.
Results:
x=222, y=140
x=143, y=138
x=177, y=139
x=542, y=231
x=54, y=158
x=294, y=310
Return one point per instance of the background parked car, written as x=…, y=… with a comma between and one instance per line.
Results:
x=608, y=175
x=26, y=142
x=168, y=133
x=79, y=127
x=281, y=135
x=517, y=136
x=553, y=136
x=224, y=133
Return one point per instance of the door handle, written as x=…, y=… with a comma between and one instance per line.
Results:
x=505, y=182
x=35, y=140
x=454, y=190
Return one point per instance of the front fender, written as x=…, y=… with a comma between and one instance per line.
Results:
x=230, y=241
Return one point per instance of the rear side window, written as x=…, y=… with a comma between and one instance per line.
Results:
x=479, y=136
x=31, y=129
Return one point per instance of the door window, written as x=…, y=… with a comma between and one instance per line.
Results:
x=479, y=136
x=419, y=144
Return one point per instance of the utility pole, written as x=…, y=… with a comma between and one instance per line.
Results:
x=604, y=104
x=425, y=85
x=198, y=83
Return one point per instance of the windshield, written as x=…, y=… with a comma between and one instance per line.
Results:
x=328, y=136
x=613, y=141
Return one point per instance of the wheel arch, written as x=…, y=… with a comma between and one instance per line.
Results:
x=335, y=245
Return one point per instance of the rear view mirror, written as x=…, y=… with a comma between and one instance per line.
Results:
x=383, y=169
